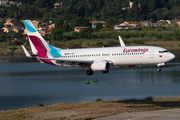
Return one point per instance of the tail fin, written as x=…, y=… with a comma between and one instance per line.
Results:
x=37, y=42
x=39, y=46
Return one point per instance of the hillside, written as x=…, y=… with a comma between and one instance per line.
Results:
x=119, y=10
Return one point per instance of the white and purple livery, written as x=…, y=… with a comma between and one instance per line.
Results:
x=95, y=59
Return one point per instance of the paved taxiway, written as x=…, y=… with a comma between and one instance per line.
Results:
x=168, y=114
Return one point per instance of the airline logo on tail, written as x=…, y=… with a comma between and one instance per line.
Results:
x=29, y=26
x=38, y=45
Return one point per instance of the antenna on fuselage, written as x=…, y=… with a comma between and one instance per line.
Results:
x=121, y=42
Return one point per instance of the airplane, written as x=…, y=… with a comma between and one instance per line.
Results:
x=94, y=59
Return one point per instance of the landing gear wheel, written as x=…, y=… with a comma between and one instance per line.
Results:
x=89, y=72
x=159, y=69
x=105, y=71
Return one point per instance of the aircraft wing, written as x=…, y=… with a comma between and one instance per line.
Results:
x=72, y=63
x=85, y=61
x=69, y=63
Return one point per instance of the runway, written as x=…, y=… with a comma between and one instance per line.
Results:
x=168, y=114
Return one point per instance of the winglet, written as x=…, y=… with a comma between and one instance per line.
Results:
x=26, y=52
x=121, y=41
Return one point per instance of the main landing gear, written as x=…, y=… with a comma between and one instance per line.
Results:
x=89, y=72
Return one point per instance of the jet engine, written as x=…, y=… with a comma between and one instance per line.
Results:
x=100, y=66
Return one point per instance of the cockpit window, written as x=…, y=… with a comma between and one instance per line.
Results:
x=163, y=51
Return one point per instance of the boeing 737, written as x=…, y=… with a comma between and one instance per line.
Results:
x=94, y=59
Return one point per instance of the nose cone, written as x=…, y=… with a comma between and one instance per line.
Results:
x=171, y=56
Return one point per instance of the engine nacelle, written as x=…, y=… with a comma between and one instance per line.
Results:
x=100, y=66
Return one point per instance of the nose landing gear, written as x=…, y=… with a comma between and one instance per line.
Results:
x=158, y=69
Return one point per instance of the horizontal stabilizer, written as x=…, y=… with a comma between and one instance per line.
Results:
x=26, y=52
x=35, y=55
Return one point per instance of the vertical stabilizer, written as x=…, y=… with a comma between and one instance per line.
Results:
x=39, y=46
x=37, y=42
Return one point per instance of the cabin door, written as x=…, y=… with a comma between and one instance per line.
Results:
x=151, y=54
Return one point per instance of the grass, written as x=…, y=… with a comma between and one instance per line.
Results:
x=90, y=43
x=91, y=110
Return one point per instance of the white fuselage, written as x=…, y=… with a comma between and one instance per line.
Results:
x=128, y=55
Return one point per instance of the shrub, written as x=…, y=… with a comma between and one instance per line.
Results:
x=177, y=35
x=88, y=44
x=98, y=100
x=67, y=38
x=127, y=42
x=159, y=36
x=166, y=37
x=150, y=98
x=138, y=42
x=112, y=43
x=74, y=45
x=100, y=44
x=40, y=105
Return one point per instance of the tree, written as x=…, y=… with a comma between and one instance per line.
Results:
x=99, y=26
x=65, y=28
x=71, y=6
x=3, y=37
x=177, y=35
x=81, y=21
x=16, y=14
x=59, y=23
x=82, y=9
x=86, y=9
x=57, y=34
x=32, y=11
x=47, y=8
x=98, y=5
x=36, y=15
x=109, y=23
